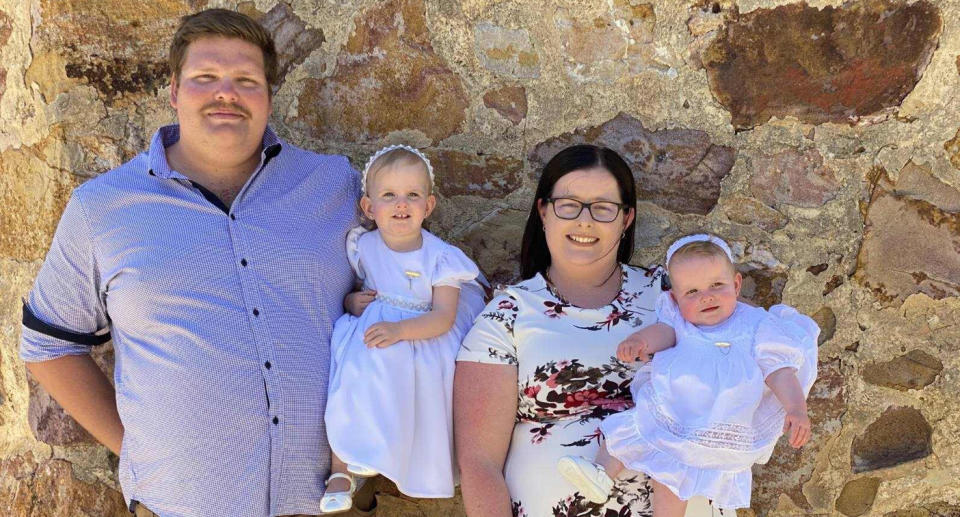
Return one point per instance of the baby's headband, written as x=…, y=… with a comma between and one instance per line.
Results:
x=698, y=237
x=387, y=149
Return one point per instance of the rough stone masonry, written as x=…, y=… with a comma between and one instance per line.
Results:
x=822, y=139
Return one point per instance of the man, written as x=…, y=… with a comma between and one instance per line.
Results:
x=216, y=262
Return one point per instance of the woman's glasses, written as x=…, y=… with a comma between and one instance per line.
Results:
x=600, y=211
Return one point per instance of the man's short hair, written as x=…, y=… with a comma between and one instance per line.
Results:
x=227, y=24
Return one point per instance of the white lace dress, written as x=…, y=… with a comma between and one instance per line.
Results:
x=705, y=415
x=390, y=409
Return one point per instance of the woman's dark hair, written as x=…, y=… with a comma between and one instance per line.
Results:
x=534, y=254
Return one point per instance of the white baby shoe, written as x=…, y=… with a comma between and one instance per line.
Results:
x=590, y=479
x=337, y=502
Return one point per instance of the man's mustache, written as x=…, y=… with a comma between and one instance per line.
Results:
x=226, y=106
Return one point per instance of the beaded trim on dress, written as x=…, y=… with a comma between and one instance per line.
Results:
x=405, y=303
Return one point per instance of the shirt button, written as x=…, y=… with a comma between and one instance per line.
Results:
x=276, y=420
x=267, y=365
x=233, y=217
x=243, y=262
x=256, y=312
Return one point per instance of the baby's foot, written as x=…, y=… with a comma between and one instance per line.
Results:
x=591, y=479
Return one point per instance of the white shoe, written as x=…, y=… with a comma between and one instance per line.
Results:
x=591, y=479
x=337, y=502
x=363, y=472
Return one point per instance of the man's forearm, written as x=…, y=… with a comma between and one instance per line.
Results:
x=77, y=384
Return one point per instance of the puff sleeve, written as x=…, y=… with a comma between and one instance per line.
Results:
x=491, y=340
x=668, y=312
x=453, y=268
x=787, y=339
x=353, y=250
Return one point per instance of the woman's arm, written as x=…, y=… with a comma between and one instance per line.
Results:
x=484, y=409
x=432, y=324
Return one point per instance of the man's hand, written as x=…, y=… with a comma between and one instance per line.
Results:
x=382, y=335
x=634, y=348
x=357, y=301
x=797, y=424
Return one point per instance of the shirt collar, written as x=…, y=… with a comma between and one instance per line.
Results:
x=169, y=135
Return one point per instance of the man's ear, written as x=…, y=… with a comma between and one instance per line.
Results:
x=174, y=86
x=737, y=282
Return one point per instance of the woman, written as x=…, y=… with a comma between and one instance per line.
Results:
x=538, y=370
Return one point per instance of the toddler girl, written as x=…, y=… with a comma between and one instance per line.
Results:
x=389, y=409
x=715, y=403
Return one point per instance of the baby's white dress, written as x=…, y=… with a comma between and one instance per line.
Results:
x=705, y=415
x=390, y=409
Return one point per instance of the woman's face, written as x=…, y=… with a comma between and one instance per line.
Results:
x=583, y=241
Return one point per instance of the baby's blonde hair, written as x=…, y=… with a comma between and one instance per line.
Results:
x=700, y=249
x=396, y=157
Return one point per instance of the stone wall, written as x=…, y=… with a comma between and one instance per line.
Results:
x=821, y=139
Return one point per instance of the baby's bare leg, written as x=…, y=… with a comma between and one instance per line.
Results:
x=611, y=465
x=665, y=502
x=339, y=484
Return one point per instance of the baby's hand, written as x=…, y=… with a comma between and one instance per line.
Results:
x=634, y=348
x=797, y=423
x=356, y=302
x=382, y=335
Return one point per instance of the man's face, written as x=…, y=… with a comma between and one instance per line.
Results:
x=221, y=95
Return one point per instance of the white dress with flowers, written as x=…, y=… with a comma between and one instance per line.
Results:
x=706, y=415
x=568, y=379
x=390, y=409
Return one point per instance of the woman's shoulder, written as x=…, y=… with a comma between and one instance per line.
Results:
x=640, y=278
x=522, y=289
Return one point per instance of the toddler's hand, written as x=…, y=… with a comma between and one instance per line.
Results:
x=356, y=302
x=382, y=335
x=797, y=424
x=634, y=348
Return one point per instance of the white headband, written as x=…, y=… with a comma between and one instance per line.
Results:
x=698, y=237
x=387, y=149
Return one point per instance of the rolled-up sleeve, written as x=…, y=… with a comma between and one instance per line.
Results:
x=65, y=313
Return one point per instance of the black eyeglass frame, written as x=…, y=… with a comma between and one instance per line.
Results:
x=589, y=206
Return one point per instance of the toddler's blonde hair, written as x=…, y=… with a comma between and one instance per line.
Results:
x=394, y=157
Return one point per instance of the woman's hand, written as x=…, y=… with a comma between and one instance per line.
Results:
x=383, y=334
x=356, y=302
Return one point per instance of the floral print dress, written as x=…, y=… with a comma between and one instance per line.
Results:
x=568, y=379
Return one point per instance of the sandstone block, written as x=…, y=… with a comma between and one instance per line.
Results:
x=119, y=47
x=293, y=40
x=911, y=371
x=462, y=174
x=509, y=101
x=388, y=78
x=50, y=489
x=899, y=435
x=911, y=241
x=797, y=178
x=857, y=496
x=506, y=52
x=835, y=64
